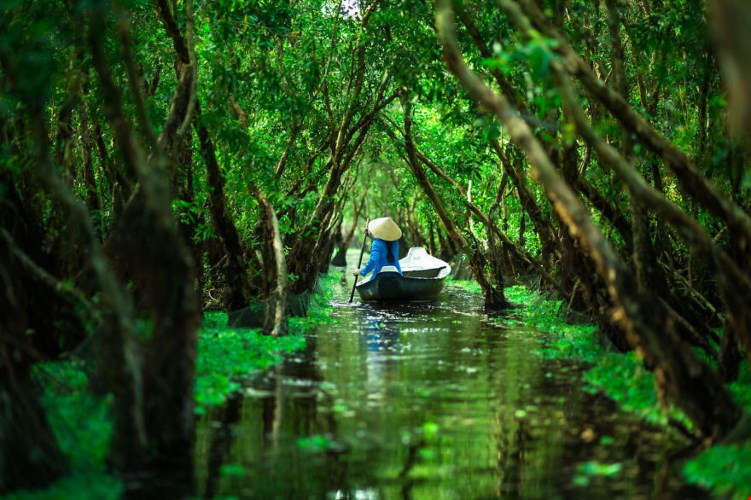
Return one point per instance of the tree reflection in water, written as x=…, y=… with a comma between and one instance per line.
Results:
x=425, y=400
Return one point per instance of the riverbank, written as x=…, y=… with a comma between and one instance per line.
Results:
x=226, y=356
x=429, y=400
x=622, y=378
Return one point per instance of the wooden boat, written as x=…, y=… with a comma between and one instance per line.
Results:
x=422, y=279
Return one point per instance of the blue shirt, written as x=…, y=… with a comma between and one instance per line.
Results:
x=379, y=256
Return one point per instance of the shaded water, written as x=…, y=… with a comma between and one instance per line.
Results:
x=427, y=401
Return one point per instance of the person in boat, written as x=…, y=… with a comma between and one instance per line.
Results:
x=384, y=251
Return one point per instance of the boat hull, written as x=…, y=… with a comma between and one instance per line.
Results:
x=393, y=287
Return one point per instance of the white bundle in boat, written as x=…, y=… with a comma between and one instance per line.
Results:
x=419, y=264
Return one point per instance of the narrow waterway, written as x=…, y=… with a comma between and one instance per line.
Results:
x=427, y=401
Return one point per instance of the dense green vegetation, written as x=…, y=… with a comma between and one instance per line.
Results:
x=623, y=378
x=82, y=426
x=159, y=160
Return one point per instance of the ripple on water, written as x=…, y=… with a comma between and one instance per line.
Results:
x=428, y=401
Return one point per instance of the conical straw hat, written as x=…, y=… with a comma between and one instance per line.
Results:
x=385, y=228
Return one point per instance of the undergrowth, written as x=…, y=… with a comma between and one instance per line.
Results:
x=724, y=469
x=82, y=426
x=623, y=378
x=82, y=422
x=619, y=376
x=226, y=355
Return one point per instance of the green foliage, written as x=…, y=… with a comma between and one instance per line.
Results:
x=587, y=471
x=26, y=51
x=431, y=431
x=232, y=470
x=320, y=308
x=276, y=78
x=621, y=377
x=565, y=341
x=79, y=419
x=741, y=388
x=316, y=443
x=227, y=355
x=81, y=486
x=82, y=426
x=722, y=469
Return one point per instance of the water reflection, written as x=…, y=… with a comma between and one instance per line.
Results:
x=379, y=342
x=427, y=400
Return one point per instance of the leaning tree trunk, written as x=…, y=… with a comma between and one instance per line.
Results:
x=693, y=386
x=235, y=271
x=492, y=292
x=160, y=418
x=520, y=259
x=275, y=267
x=542, y=224
x=692, y=182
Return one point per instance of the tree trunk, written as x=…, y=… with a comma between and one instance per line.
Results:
x=693, y=386
x=692, y=182
x=275, y=308
x=542, y=224
x=493, y=292
x=154, y=421
x=235, y=271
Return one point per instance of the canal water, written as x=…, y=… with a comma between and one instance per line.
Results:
x=428, y=401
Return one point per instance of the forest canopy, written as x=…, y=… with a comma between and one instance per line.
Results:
x=161, y=159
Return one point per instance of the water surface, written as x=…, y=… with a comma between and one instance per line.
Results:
x=428, y=401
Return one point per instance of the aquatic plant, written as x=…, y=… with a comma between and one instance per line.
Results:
x=227, y=355
x=623, y=378
x=722, y=469
x=82, y=425
x=82, y=422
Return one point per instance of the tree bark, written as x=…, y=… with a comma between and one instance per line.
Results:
x=492, y=292
x=160, y=419
x=542, y=224
x=692, y=182
x=275, y=309
x=694, y=387
x=235, y=271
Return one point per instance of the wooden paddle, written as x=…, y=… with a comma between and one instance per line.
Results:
x=359, y=262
